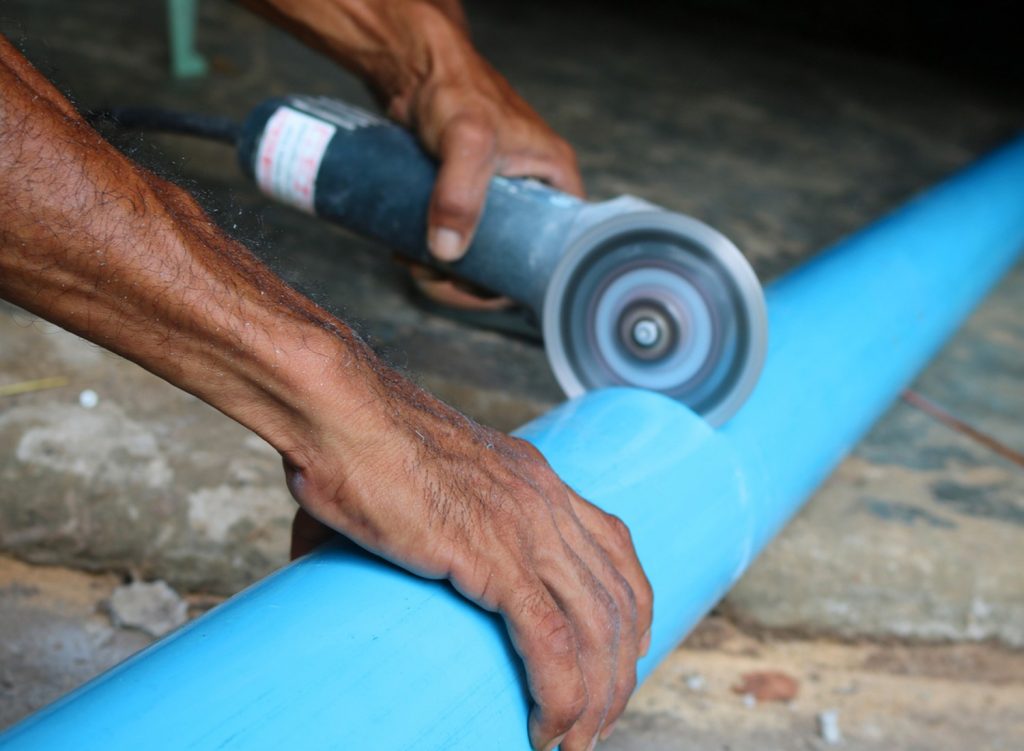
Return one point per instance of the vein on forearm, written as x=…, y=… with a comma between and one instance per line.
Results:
x=92, y=242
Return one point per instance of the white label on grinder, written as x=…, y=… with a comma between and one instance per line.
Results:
x=291, y=150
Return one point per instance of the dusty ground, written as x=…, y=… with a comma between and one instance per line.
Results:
x=885, y=696
x=57, y=634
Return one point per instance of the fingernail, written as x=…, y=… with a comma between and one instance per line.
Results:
x=645, y=643
x=593, y=743
x=554, y=744
x=608, y=730
x=445, y=244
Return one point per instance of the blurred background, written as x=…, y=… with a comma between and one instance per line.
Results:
x=889, y=615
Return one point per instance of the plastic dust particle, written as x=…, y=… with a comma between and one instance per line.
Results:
x=88, y=399
x=828, y=727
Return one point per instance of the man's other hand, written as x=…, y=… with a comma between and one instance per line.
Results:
x=474, y=122
x=449, y=499
x=417, y=57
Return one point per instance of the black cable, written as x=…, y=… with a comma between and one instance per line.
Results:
x=212, y=127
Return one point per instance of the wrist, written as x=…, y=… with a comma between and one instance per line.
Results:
x=436, y=50
x=298, y=380
x=240, y=339
x=396, y=47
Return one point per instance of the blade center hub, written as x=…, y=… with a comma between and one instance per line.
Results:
x=647, y=330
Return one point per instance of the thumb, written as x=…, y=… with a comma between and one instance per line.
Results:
x=308, y=534
x=467, y=154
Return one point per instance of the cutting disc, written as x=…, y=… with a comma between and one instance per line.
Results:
x=659, y=301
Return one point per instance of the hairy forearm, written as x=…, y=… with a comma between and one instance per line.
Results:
x=92, y=242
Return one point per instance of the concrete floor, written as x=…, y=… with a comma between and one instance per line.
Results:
x=783, y=144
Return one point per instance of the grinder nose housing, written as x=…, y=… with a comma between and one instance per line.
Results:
x=627, y=293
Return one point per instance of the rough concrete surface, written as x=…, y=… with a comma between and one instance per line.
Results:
x=784, y=144
x=150, y=480
x=55, y=635
x=882, y=697
x=921, y=532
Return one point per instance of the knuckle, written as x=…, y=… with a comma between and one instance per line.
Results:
x=572, y=707
x=620, y=532
x=645, y=598
x=564, y=150
x=643, y=593
x=565, y=156
x=562, y=159
x=455, y=204
x=557, y=634
x=473, y=133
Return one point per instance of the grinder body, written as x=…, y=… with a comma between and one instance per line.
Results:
x=375, y=180
x=627, y=292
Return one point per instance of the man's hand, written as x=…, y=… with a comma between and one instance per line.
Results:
x=417, y=57
x=428, y=489
x=468, y=115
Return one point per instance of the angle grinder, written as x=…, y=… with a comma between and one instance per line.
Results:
x=627, y=293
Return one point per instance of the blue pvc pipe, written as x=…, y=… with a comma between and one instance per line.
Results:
x=341, y=650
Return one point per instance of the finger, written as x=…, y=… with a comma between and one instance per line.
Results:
x=308, y=534
x=417, y=270
x=616, y=543
x=453, y=293
x=467, y=154
x=625, y=679
x=544, y=636
x=626, y=654
x=615, y=538
x=622, y=655
x=596, y=618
